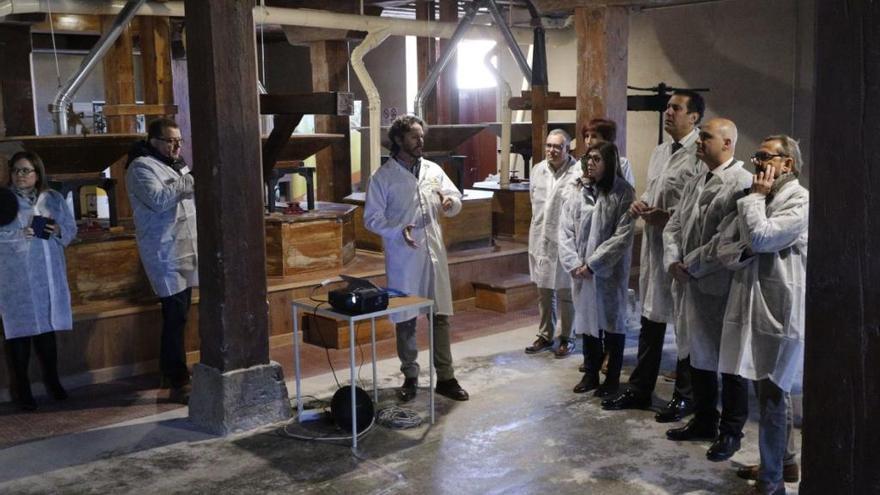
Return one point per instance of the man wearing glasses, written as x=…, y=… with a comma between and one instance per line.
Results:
x=550, y=183
x=160, y=188
x=763, y=335
x=671, y=166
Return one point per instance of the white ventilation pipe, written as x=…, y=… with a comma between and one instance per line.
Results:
x=373, y=39
x=506, y=117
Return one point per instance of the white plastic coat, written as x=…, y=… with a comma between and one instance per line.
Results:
x=763, y=335
x=34, y=295
x=691, y=236
x=667, y=175
x=597, y=231
x=165, y=224
x=395, y=199
x=548, y=192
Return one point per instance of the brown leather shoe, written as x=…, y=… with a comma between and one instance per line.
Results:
x=541, y=344
x=791, y=473
x=565, y=348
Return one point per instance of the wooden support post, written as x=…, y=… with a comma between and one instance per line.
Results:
x=330, y=73
x=539, y=122
x=16, y=96
x=155, y=36
x=426, y=56
x=602, y=34
x=841, y=375
x=447, y=86
x=119, y=89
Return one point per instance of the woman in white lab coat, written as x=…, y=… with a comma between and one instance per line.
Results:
x=595, y=246
x=34, y=296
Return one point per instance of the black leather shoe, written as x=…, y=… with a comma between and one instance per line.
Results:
x=723, y=448
x=693, y=430
x=55, y=389
x=408, y=390
x=540, y=344
x=451, y=389
x=629, y=399
x=675, y=410
x=607, y=389
x=587, y=383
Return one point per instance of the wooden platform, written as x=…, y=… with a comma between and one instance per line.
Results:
x=471, y=228
x=507, y=293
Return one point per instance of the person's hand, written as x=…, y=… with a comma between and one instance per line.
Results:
x=582, y=272
x=637, y=207
x=445, y=202
x=407, y=236
x=51, y=229
x=679, y=272
x=655, y=216
x=28, y=233
x=763, y=181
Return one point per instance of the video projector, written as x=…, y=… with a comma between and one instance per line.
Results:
x=361, y=296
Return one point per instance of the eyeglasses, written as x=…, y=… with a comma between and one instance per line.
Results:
x=763, y=156
x=593, y=158
x=23, y=172
x=171, y=141
x=553, y=146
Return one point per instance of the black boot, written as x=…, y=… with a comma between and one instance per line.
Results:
x=592, y=360
x=46, y=350
x=20, y=385
x=614, y=343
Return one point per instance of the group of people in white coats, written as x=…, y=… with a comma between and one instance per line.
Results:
x=723, y=259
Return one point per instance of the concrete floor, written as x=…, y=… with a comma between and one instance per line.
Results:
x=523, y=431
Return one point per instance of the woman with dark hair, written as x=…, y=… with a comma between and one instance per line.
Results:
x=34, y=296
x=595, y=246
x=598, y=130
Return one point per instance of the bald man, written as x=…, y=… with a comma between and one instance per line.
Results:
x=700, y=288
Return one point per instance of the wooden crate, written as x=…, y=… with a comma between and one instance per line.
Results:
x=105, y=268
x=334, y=334
x=510, y=293
x=322, y=239
x=512, y=214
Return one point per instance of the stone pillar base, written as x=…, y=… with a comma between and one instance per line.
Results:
x=238, y=400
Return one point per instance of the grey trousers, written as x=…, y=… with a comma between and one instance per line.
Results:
x=549, y=301
x=775, y=431
x=408, y=351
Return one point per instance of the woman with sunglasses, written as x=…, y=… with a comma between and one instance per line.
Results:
x=595, y=247
x=34, y=296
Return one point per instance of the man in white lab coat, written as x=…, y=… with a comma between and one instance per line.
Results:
x=671, y=166
x=701, y=284
x=160, y=188
x=763, y=335
x=551, y=182
x=405, y=199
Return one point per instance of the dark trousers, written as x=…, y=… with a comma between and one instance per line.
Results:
x=172, y=354
x=734, y=400
x=18, y=353
x=644, y=377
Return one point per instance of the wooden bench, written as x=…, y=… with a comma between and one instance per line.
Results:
x=510, y=293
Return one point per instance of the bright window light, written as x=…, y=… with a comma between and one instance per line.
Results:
x=472, y=72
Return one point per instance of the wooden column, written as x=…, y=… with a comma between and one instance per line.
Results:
x=233, y=312
x=119, y=89
x=16, y=96
x=841, y=371
x=602, y=34
x=447, y=86
x=330, y=73
x=426, y=56
x=155, y=34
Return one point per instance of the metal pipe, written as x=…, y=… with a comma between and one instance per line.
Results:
x=512, y=45
x=506, y=117
x=371, y=41
x=64, y=96
x=431, y=80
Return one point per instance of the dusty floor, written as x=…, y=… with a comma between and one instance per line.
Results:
x=523, y=431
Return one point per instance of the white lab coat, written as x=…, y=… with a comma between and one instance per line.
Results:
x=691, y=236
x=598, y=231
x=763, y=335
x=548, y=192
x=34, y=295
x=165, y=224
x=667, y=175
x=396, y=199
x=627, y=170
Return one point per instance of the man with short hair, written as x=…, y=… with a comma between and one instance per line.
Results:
x=700, y=286
x=160, y=188
x=671, y=166
x=550, y=183
x=405, y=199
x=763, y=334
